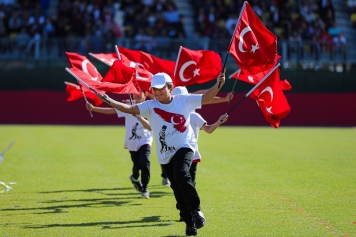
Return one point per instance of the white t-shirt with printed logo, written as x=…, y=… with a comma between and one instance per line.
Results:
x=196, y=121
x=136, y=135
x=170, y=124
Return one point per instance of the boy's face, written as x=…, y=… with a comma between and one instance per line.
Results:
x=140, y=98
x=163, y=95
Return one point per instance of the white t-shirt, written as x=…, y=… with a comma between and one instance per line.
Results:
x=196, y=121
x=136, y=135
x=171, y=124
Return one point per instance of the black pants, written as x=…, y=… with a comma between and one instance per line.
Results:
x=177, y=171
x=141, y=161
x=193, y=174
x=163, y=175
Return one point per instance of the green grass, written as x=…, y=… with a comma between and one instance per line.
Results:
x=253, y=181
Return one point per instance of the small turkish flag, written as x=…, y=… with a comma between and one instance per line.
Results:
x=253, y=46
x=196, y=66
x=271, y=99
x=82, y=63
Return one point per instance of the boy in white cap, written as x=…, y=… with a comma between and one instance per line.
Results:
x=172, y=114
x=199, y=123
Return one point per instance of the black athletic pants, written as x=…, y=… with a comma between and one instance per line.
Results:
x=177, y=171
x=141, y=161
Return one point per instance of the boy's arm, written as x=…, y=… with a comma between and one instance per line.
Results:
x=216, y=99
x=209, y=94
x=129, y=109
x=144, y=122
x=211, y=128
x=101, y=110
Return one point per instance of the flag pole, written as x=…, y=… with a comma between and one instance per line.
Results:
x=227, y=53
x=86, y=85
x=118, y=56
x=253, y=88
x=85, y=98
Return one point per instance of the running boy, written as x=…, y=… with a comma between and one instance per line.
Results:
x=172, y=114
x=199, y=123
x=138, y=140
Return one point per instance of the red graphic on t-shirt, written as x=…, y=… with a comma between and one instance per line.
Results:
x=177, y=120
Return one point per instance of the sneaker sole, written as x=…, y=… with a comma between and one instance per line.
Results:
x=137, y=188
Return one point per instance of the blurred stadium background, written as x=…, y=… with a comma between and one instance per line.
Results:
x=316, y=39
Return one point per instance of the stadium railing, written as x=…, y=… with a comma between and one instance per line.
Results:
x=54, y=49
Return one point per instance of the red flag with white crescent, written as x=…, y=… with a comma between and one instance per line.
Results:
x=151, y=63
x=253, y=46
x=196, y=66
x=82, y=63
x=271, y=99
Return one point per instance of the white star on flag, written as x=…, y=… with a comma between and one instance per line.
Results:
x=196, y=72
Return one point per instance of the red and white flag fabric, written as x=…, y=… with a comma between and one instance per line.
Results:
x=271, y=99
x=151, y=63
x=74, y=93
x=253, y=46
x=82, y=63
x=103, y=87
x=119, y=74
x=107, y=58
x=196, y=66
x=242, y=75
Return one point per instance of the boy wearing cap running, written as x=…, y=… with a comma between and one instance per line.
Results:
x=199, y=123
x=172, y=114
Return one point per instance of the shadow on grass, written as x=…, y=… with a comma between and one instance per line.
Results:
x=145, y=222
x=63, y=205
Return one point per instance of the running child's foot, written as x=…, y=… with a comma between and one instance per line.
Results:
x=166, y=182
x=145, y=193
x=137, y=184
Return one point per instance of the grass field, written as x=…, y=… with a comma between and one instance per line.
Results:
x=253, y=181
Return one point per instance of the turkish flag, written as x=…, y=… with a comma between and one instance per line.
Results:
x=74, y=93
x=196, y=66
x=103, y=87
x=253, y=46
x=243, y=75
x=151, y=63
x=119, y=74
x=82, y=63
x=107, y=58
x=271, y=99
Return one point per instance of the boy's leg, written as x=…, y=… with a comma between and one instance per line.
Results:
x=186, y=184
x=144, y=164
x=193, y=171
x=134, y=177
x=184, y=212
x=165, y=180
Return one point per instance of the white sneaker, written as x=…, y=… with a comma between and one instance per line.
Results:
x=145, y=194
x=166, y=182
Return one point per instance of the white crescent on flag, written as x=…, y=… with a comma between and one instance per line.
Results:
x=182, y=69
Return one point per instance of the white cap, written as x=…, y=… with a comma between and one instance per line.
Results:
x=160, y=79
x=180, y=90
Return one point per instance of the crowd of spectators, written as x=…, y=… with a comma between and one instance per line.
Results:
x=296, y=21
x=96, y=25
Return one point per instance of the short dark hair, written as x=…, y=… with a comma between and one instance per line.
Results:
x=169, y=85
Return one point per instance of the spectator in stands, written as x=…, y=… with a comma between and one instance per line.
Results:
x=334, y=30
x=340, y=45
